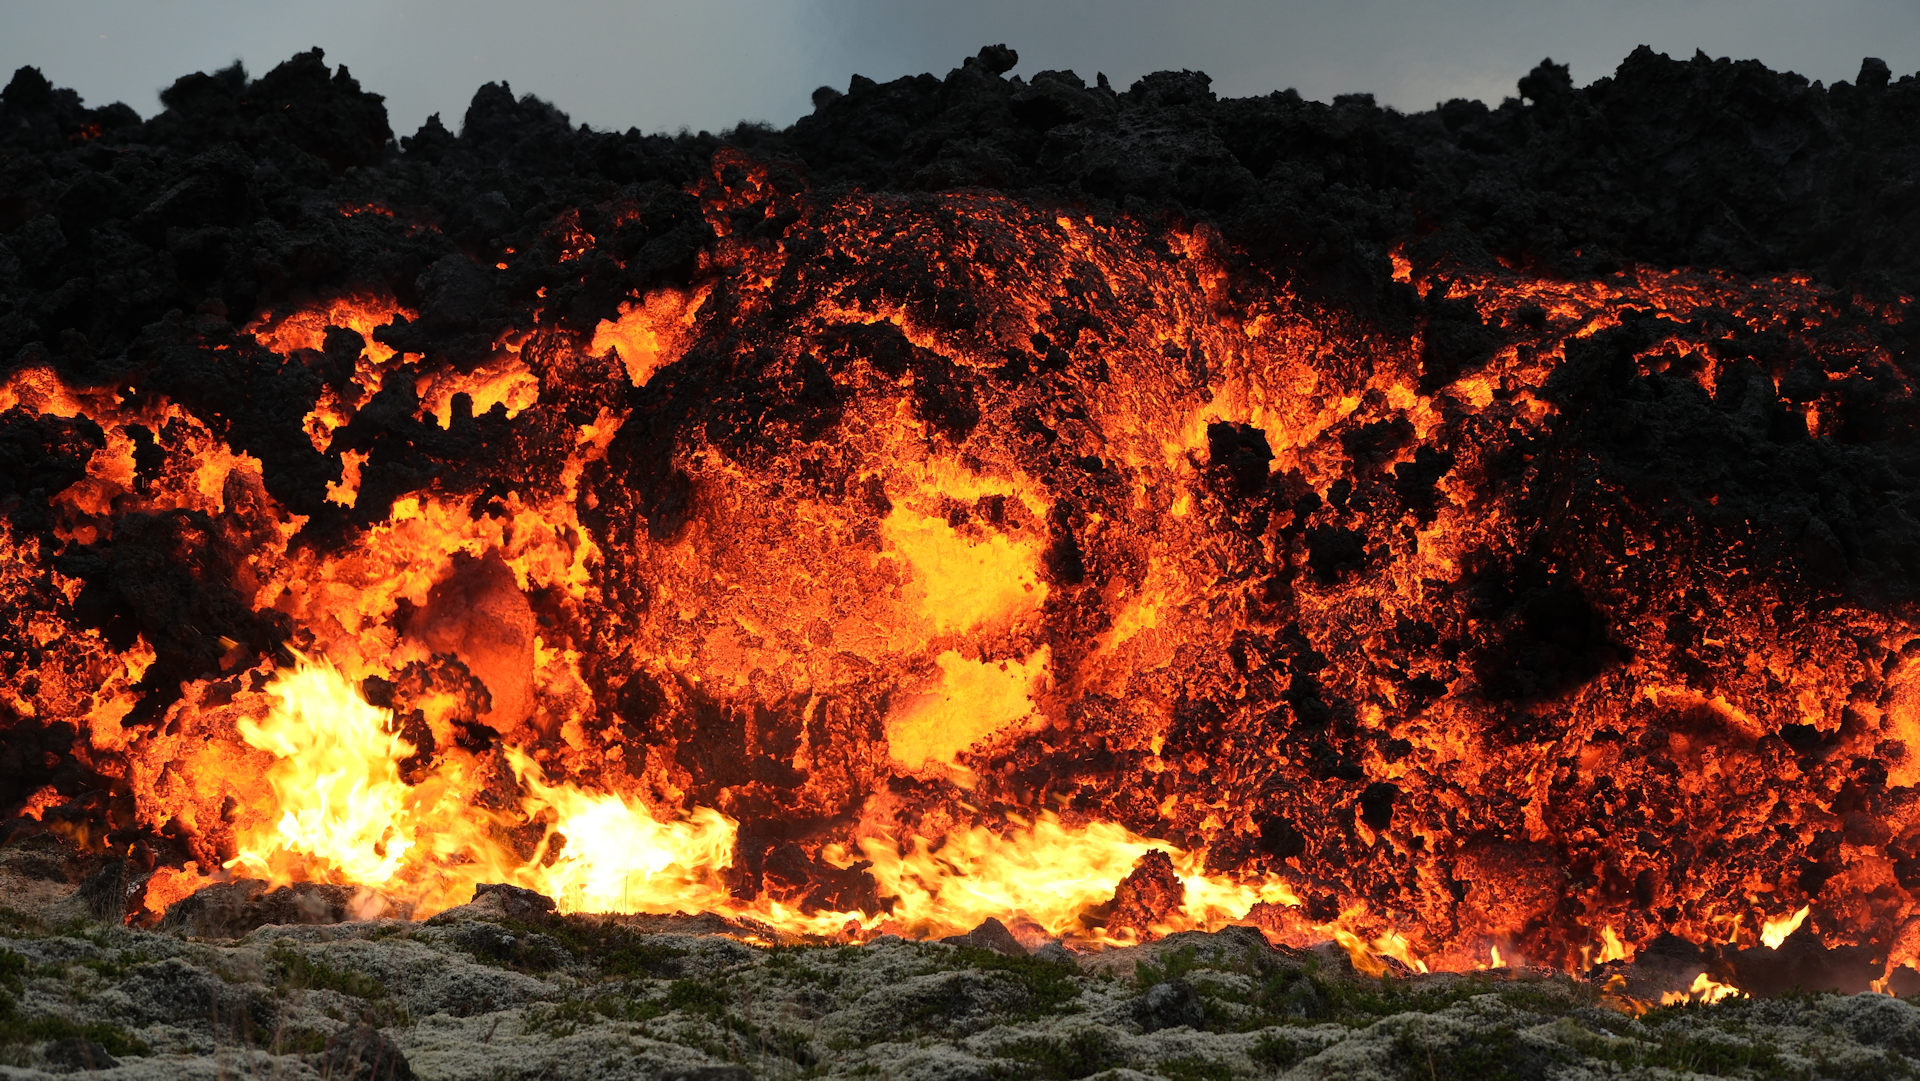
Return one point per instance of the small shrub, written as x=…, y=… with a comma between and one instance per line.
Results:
x=298, y=1041
x=791, y=1044
x=614, y=950
x=1495, y=1054
x=697, y=996
x=565, y=1018
x=1690, y=1052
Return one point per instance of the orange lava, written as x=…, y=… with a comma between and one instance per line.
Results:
x=918, y=658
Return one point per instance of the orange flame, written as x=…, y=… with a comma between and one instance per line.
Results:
x=937, y=608
x=343, y=808
x=1705, y=990
x=340, y=812
x=609, y=854
x=1045, y=873
x=1611, y=948
x=1776, y=931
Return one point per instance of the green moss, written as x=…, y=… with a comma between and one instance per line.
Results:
x=1304, y=995
x=1682, y=1047
x=15, y=922
x=121, y=963
x=1695, y=1052
x=822, y=966
x=1554, y=999
x=1049, y=987
x=1387, y=998
x=697, y=996
x=301, y=972
x=1489, y=1055
x=564, y=1018
x=1173, y=965
x=613, y=950
x=518, y=950
x=1595, y=1045
x=1193, y=1068
x=555, y=1019
x=26, y=1030
x=1080, y=1054
x=298, y=1041
x=791, y=1044
x=1276, y=1051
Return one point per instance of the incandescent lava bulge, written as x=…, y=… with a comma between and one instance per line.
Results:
x=930, y=557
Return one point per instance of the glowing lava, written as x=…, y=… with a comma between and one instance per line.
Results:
x=918, y=559
x=340, y=813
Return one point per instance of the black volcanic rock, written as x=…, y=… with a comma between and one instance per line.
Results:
x=1695, y=161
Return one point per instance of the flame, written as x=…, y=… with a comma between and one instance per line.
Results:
x=1366, y=954
x=650, y=333
x=1705, y=991
x=609, y=854
x=340, y=812
x=306, y=328
x=1046, y=873
x=970, y=701
x=1611, y=948
x=1776, y=931
x=44, y=797
x=343, y=811
x=503, y=381
x=170, y=884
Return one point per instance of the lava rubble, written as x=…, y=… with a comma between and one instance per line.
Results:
x=1476, y=534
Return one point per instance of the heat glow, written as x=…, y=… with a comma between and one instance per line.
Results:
x=901, y=561
x=341, y=814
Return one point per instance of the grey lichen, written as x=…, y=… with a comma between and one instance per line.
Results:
x=483, y=995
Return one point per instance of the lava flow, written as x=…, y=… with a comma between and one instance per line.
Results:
x=916, y=559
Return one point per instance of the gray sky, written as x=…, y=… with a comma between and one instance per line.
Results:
x=711, y=63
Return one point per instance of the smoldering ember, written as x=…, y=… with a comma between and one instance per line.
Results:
x=1007, y=577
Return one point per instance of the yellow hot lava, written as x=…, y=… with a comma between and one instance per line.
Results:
x=344, y=815
x=338, y=811
x=343, y=808
x=1044, y=873
x=607, y=853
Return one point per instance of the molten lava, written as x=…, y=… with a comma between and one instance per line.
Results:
x=936, y=558
x=346, y=817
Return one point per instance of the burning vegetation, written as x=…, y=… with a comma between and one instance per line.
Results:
x=1113, y=514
